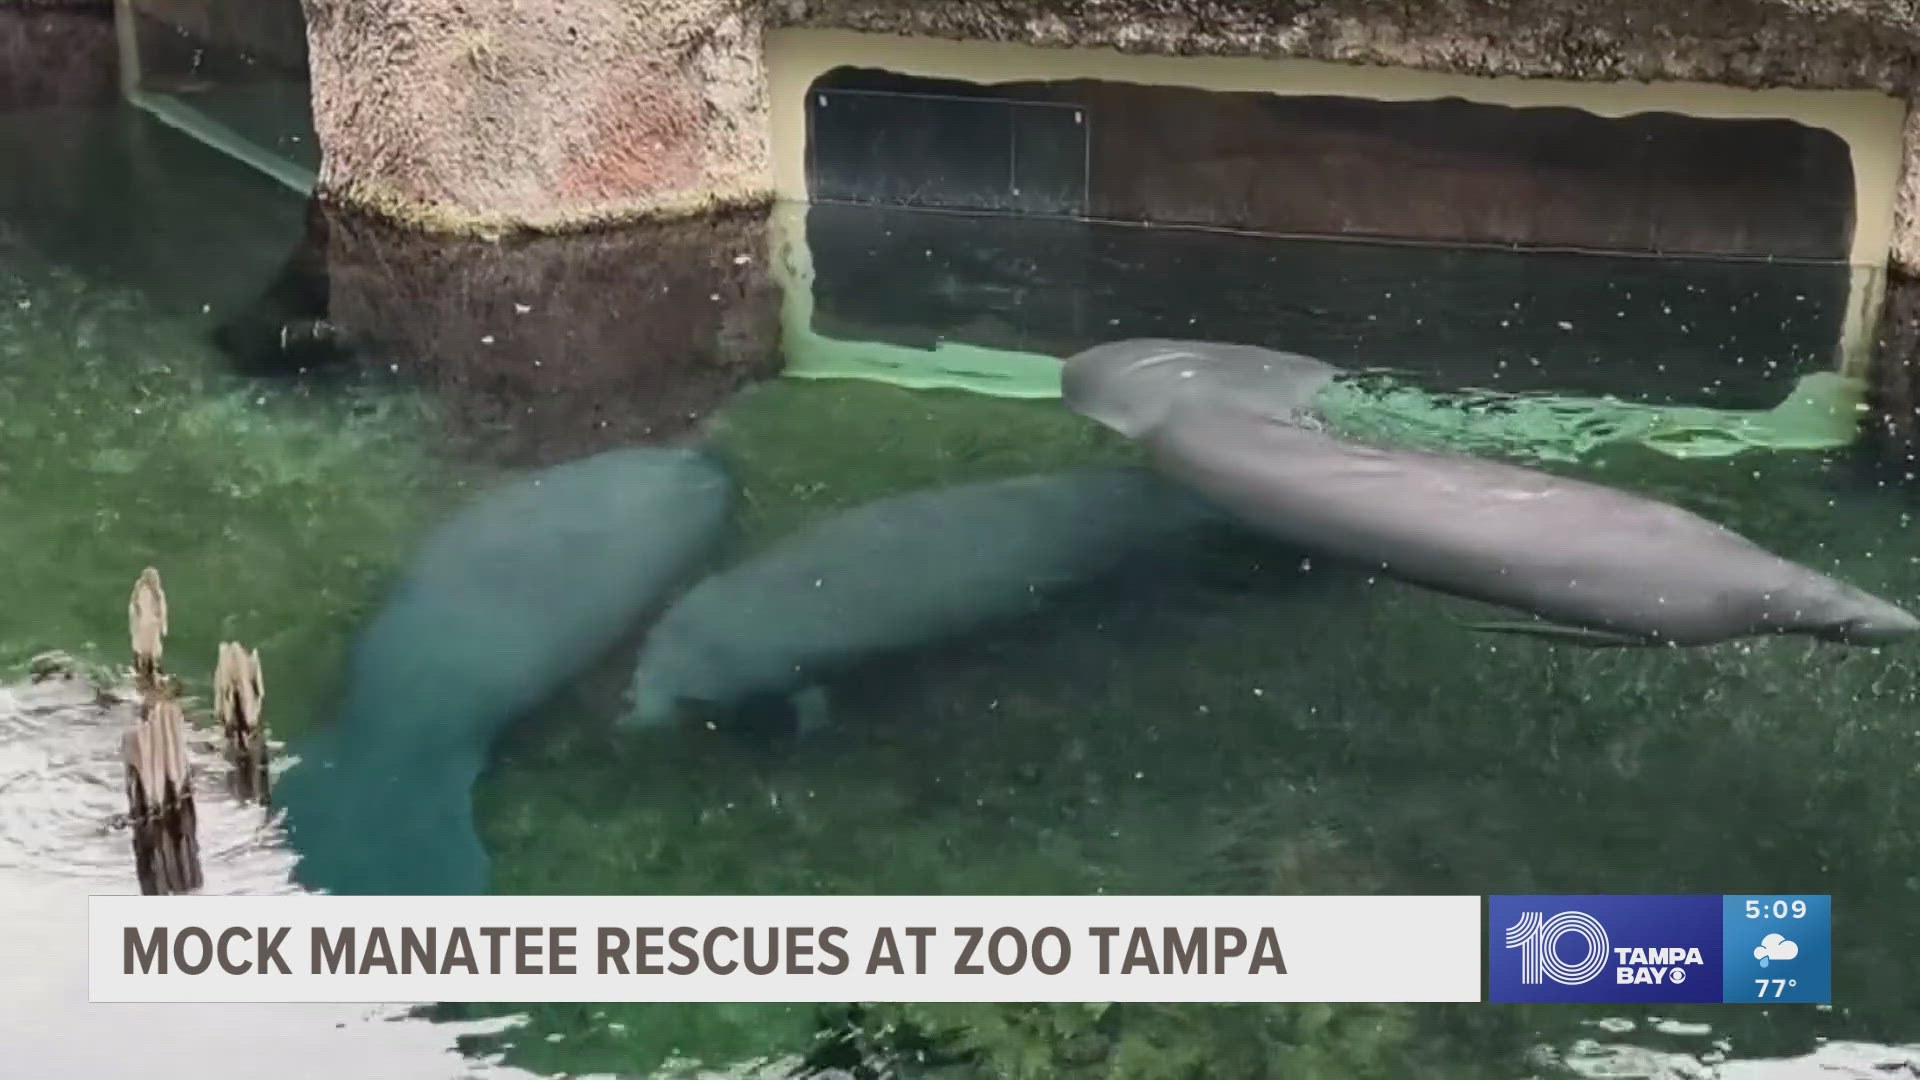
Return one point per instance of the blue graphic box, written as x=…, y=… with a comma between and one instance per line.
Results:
x=1597, y=949
x=1779, y=947
x=1634, y=949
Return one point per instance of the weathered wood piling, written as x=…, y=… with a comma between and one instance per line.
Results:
x=238, y=692
x=160, y=773
x=160, y=811
x=147, y=623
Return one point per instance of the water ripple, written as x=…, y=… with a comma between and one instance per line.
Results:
x=61, y=840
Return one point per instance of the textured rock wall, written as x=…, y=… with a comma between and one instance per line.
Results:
x=1806, y=43
x=493, y=115
x=1906, y=214
x=503, y=114
x=1894, y=424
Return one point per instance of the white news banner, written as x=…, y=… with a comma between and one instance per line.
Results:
x=312, y=948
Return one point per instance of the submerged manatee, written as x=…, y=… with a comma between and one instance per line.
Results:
x=1612, y=566
x=500, y=606
x=895, y=574
x=1130, y=385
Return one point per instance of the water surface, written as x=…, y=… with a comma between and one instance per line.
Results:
x=1232, y=720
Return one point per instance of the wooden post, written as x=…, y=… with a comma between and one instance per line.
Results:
x=238, y=692
x=160, y=812
x=147, y=622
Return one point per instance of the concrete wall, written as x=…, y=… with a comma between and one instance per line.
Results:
x=492, y=116
x=1872, y=124
x=1607, y=45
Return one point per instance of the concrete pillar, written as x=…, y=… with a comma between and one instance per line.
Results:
x=1904, y=251
x=494, y=115
x=1894, y=425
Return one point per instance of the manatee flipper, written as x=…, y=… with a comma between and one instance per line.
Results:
x=1576, y=635
x=811, y=710
x=364, y=825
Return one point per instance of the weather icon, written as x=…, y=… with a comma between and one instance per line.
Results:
x=1774, y=947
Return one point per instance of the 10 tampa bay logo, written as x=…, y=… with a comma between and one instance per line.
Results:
x=1605, y=948
x=1538, y=939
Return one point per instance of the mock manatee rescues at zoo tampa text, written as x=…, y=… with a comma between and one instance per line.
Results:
x=587, y=949
x=792, y=950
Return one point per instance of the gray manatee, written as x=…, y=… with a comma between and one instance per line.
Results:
x=1608, y=566
x=1129, y=386
x=898, y=573
x=499, y=607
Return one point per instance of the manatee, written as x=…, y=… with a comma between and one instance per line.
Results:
x=898, y=573
x=1597, y=564
x=1130, y=385
x=500, y=607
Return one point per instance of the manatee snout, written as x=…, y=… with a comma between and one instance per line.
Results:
x=669, y=677
x=1880, y=624
x=650, y=703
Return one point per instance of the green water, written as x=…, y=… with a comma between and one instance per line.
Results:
x=1245, y=728
x=1339, y=737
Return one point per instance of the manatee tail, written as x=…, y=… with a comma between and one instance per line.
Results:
x=370, y=828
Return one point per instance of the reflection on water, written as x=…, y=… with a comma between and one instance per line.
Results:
x=1697, y=1054
x=1227, y=718
x=545, y=349
x=1726, y=334
x=61, y=779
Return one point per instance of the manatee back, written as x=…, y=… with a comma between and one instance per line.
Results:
x=530, y=581
x=905, y=571
x=1130, y=386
